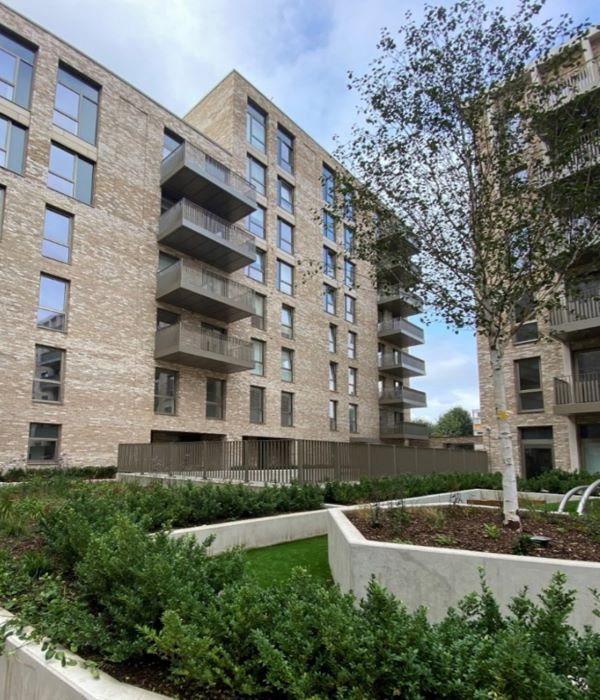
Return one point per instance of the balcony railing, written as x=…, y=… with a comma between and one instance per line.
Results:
x=400, y=364
x=389, y=427
x=404, y=396
x=396, y=297
x=575, y=82
x=579, y=312
x=204, y=291
x=401, y=332
x=582, y=390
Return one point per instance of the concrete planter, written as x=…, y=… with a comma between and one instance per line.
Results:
x=439, y=578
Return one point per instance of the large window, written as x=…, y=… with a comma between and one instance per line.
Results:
x=57, y=235
x=287, y=321
x=285, y=149
x=256, y=270
x=285, y=277
x=70, y=174
x=16, y=70
x=349, y=274
x=285, y=195
x=351, y=345
x=352, y=381
x=43, y=442
x=52, y=306
x=333, y=376
x=12, y=145
x=259, y=317
x=333, y=415
x=349, y=308
x=257, y=404
x=537, y=453
x=258, y=357
x=76, y=104
x=328, y=221
x=256, y=122
x=525, y=316
x=287, y=365
x=332, y=338
x=287, y=409
x=257, y=174
x=353, y=418
x=329, y=299
x=285, y=236
x=348, y=206
x=328, y=183
x=529, y=384
x=48, y=376
x=255, y=222
x=215, y=398
x=329, y=262
x=165, y=391
x=348, y=239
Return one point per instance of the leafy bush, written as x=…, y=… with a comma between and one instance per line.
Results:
x=12, y=475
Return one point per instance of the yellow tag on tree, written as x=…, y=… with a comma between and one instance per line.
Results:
x=503, y=415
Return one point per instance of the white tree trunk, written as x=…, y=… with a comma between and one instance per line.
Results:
x=509, y=477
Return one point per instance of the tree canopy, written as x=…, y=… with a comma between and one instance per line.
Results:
x=455, y=422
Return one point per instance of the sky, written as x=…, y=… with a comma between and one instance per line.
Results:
x=298, y=53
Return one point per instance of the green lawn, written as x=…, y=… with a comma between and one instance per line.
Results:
x=274, y=564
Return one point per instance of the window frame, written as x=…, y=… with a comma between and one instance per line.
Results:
x=333, y=376
x=349, y=274
x=287, y=329
x=55, y=440
x=39, y=380
x=328, y=184
x=328, y=226
x=329, y=292
x=84, y=88
x=12, y=144
x=258, y=357
x=287, y=365
x=257, y=418
x=259, y=320
x=45, y=239
x=332, y=412
x=257, y=230
x=283, y=285
x=287, y=416
x=259, y=185
x=349, y=308
x=285, y=204
x=23, y=79
x=352, y=381
x=254, y=115
x=351, y=343
x=285, y=244
x=257, y=273
x=64, y=312
x=76, y=182
x=520, y=392
x=173, y=380
x=353, y=418
x=329, y=262
x=282, y=135
x=332, y=338
x=219, y=403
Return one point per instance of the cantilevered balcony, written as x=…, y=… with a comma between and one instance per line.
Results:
x=400, y=332
x=398, y=301
x=406, y=272
x=392, y=428
x=577, y=317
x=189, y=172
x=400, y=364
x=200, y=347
x=204, y=291
x=203, y=235
x=579, y=394
x=402, y=397
x=574, y=82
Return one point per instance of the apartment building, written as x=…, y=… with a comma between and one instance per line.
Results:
x=155, y=272
x=552, y=367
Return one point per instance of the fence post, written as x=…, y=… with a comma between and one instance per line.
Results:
x=338, y=451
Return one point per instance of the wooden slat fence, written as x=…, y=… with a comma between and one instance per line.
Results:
x=285, y=461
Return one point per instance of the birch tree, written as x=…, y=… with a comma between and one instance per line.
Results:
x=470, y=139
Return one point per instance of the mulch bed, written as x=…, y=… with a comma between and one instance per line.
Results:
x=481, y=529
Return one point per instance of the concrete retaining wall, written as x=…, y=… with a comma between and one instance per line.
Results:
x=439, y=578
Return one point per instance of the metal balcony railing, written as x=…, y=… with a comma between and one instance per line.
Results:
x=578, y=80
x=195, y=338
x=401, y=325
x=404, y=395
x=581, y=389
x=577, y=308
x=402, y=429
x=397, y=291
x=390, y=359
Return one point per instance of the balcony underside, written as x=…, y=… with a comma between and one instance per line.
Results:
x=202, y=359
x=399, y=303
x=405, y=401
x=403, y=367
x=404, y=431
x=402, y=337
x=570, y=409
x=577, y=329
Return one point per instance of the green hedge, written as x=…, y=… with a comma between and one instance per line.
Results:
x=12, y=475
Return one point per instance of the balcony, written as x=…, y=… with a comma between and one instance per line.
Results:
x=575, y=82
x=199, y=347
x=400, y=364
x=578, y=317
x=189, y=172
x=392, y=429
x=403, y=397
x=584, y=155
x=398, y=301
x=203, y=235
x=406, y=272
x=580, y=394
x=400, y=332
x=392, y=237
x=204, y=292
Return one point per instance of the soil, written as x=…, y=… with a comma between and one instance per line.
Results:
x=481, y=530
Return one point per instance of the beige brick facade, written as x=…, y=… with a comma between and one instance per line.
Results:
x=109, y=343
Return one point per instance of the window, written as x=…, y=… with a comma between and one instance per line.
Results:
x=257, y=174
x=165, y=260
x=329, y=299
x=256, y=122
x=287, y=365
x=329, y=262
x=257, y=404
x=348, y=206
x=285, y=278
x=285, y=195
x=76, y=105
x=258, y=320
x=16, y=69
x=57, y=235
x=332, y=338
x=287, y=409
x=328, y=184
x=256, y=270
x=258, y=357
x=529, y=386
x=171, y=142
x=351, y=345
x=165, y=318
x=43, y=442
x=524, y=314
x=333, y=415
x=255, y=222
x=285, y=149
x=52, y=306
x=349, y=274
x=285, y=236
x=165, y=391
x=12, y=145
x=328, y=225
x=537, y=453
x=333, y=376
x=349, y=308
x=215, y=398
x=352, y=381
x=287, y=321
x=2, y=198
x=353, y=418
x=48, y=376
x=348, y=239
x=70, y=174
